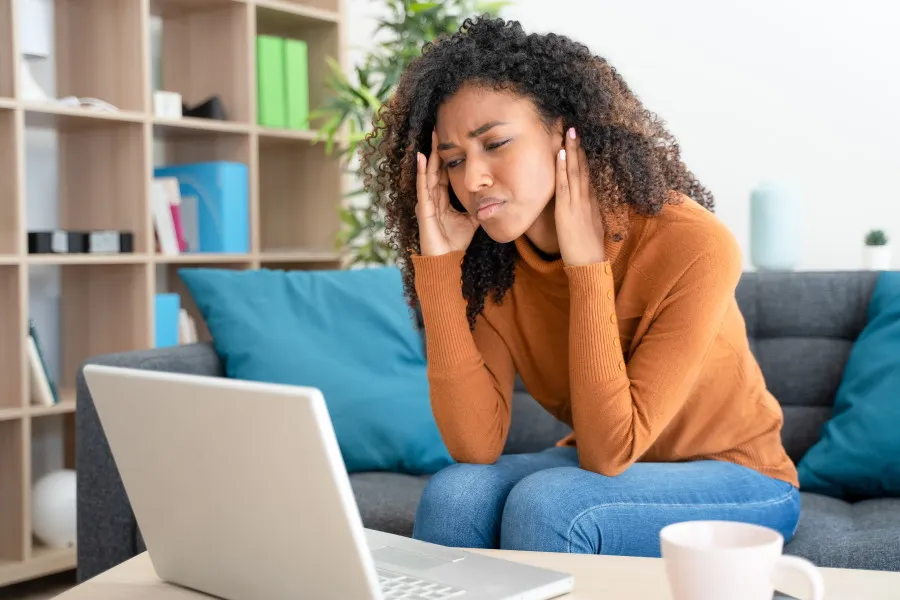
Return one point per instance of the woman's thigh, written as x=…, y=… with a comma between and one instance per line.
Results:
x=462, y=504
x=569, y=509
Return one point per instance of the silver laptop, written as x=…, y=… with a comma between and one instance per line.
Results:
x=240, y=491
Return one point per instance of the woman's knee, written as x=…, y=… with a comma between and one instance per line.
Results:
x=538, y=514
x=461, y=506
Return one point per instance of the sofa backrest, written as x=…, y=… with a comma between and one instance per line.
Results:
x=801, y=326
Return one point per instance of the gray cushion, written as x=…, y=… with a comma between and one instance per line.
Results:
x=387, y=501
x=532, y=428
x=801, y=329
x=863, y=535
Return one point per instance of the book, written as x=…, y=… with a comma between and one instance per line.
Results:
x=33, y=332
x=162, y=191
x=190, y=222
x=272, y=111
x=187, y=327
x=296, y=68
x=41, y=391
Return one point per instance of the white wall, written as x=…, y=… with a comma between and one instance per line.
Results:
x=806, y=91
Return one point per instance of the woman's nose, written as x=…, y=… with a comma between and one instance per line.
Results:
x=477, y=176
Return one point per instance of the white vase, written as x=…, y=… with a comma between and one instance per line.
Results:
x=877, y=258
x=776, y=222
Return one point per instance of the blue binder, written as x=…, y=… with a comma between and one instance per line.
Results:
x=166, y=311
x=222, y=190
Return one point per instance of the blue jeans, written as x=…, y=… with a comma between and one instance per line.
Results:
x=545, y=502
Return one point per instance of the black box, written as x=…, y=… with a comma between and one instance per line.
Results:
x=57, y=241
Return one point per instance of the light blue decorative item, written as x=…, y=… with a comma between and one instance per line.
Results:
x=775, y=226
x=222, y=192
x=167, y=308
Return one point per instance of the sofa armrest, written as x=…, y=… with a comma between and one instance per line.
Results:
x=106, y=527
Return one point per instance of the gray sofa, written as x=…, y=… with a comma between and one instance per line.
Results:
x=802, y=327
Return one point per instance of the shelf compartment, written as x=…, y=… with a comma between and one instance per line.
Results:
x=10, y=168
x=323, y=39
x=206, y=52
x=99, y=52
x=299, y=191
x=13, y=370
x=8, y=51
x=101, y=184
x=179, y=145
x=103, y=309
x=13, y=500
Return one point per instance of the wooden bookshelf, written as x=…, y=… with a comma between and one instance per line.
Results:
x=105, y=164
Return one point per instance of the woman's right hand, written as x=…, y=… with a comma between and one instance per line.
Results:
x=442, y=228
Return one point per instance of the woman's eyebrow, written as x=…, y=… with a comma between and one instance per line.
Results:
x=474, y=133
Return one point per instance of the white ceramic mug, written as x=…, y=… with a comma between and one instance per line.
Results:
x=712, y=560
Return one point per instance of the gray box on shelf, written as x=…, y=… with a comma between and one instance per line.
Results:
x=802, y=327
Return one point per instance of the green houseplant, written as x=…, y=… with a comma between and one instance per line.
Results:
x=876, y=237
x=877, y=251
x=348, y=114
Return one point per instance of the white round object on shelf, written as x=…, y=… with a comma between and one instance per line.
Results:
x=53, y=515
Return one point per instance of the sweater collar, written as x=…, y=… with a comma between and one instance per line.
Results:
x=553, y=268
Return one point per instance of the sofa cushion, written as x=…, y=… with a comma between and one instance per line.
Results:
x=387, y=501
x=348, y=333
x=834, y=533
x=856, y=456
x=532, y=428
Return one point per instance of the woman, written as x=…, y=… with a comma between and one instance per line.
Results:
x=549, y=228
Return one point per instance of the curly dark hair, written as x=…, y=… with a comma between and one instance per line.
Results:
x=634, y=161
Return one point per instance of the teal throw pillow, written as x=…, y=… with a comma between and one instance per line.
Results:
x=348, y=333
x=858, y=454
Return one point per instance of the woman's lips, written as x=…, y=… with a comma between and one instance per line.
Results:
x=489, y=208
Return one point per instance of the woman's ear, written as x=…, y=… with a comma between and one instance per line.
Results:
x=559, y=133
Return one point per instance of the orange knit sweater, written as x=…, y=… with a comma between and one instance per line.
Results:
x=645, y=355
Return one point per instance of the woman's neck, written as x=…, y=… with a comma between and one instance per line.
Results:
x=542, y=233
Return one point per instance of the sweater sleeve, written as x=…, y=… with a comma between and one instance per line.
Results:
x=470, y=373
x=619, y=411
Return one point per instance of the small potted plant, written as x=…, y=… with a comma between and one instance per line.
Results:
x=877, y=254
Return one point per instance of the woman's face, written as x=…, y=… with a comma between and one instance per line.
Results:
x=500, y=160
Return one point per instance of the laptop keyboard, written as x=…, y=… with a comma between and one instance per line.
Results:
x=403, y=587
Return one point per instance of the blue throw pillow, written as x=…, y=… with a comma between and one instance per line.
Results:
x=858, y=455
x=348, y=333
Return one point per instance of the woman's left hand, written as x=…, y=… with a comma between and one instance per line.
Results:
x=579, y=226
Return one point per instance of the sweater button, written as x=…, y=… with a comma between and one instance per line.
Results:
x=617, y=343
x=612, y=318
x=621, y=366
x=607, y=268
x=609, y=294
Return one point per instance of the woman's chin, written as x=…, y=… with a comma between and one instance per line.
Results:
x=502, y=233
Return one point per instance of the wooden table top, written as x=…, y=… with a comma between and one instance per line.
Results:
x=596, y=577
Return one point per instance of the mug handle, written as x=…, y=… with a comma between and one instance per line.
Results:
x=809, y=571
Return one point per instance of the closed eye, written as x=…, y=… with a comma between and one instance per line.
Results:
x=492, y=146
x=496, y=145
